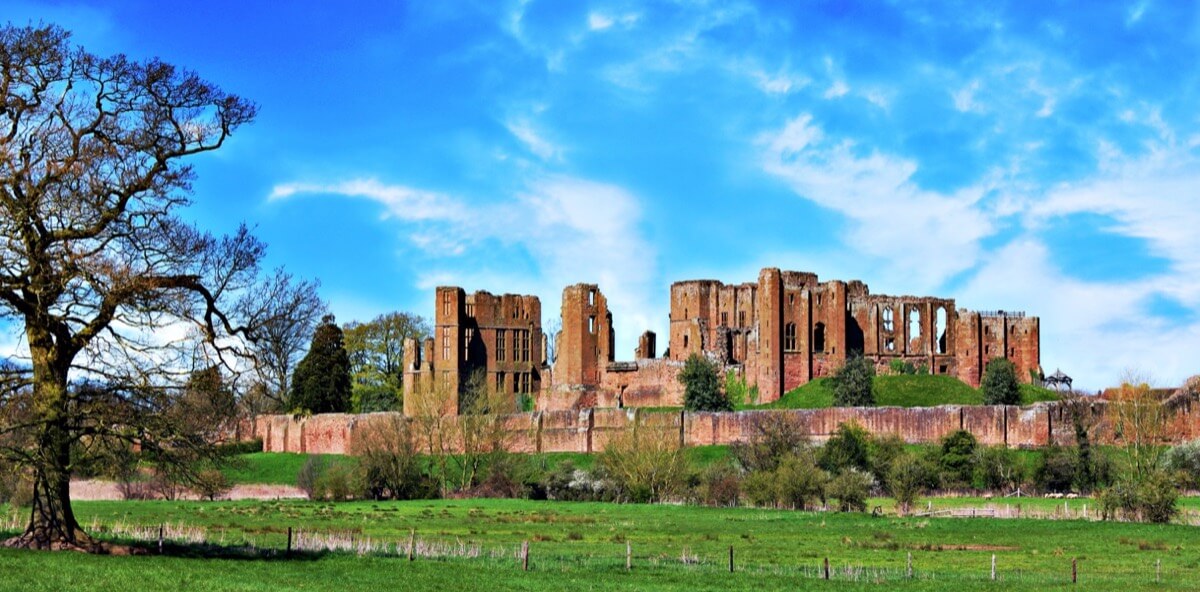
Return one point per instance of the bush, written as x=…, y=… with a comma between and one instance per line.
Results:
x=645, y=465
x=956, y=462
x=773, y=436
x=1184, y=461
x=853, y=383
x=851, y=489
x=310, y=476
x=1056, y=469
x=211, y=484
x=370, y=398
x=907, y=477
x=388, y=465
x=759, y=488
x=882, y=454
x=567, y=483
x=847, y=448
x=1152, y=499
x=998, y=469
x=239, y=448
x=701, y=386
x=719, y=485
x=738, y=392
x=902, y=367
x=799, y=480
x=999, y=384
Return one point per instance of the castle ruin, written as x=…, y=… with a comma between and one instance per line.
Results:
x=777, y=333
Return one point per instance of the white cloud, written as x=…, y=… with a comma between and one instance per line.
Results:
x=924, y=236
x=599, y=22
x=837, y=90
x=964, y=98
x=575, y=230
x=523, y=131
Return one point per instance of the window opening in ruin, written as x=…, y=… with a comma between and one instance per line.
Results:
x=525, y=382
x=741, y=318
x=914, y=325
x=525, y=346
x=939, y=329
x=470, y=308
x=789, y=337
x=501, y=350
x=499, y=382
x=791, y=299
x=446, y=334
x=819, y=338
x=890, y=344
x=987, y=350
x=469, y=335
x=516, y=345
x=943, y=369
x=685, y=341
x=1012, y=352
x=818, y=300
x=987, y=330
x=591, y=298
x=591, y=324
x=445, y=303
x=887, y=319
x=724, y=319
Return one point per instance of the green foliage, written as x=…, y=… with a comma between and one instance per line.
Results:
x=719, y=485
x=369, y=398
x=376, y=352
x=737, y=391
x=847, y=448
x=853, y=383
x=851, y=489
x=997, y=468
x=1153, y=498
x=321, y=383
x=799, y=482
x=882, y=453
x=898, y=366
x=701, y=386
x=1000, y=385
x=644, y=465
x=1184, y=461
x=906, y=479
x=905, y=391
x=956, y=462
x=1056, y=469
x=388, y=465
x=211, y=484
x=773, y=436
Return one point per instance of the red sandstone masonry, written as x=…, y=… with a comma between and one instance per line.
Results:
x=589, y=430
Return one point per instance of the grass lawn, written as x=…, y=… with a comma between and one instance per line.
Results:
x=582, y=546
x=906, y=390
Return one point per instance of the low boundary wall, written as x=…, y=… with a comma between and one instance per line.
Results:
x=588, y=430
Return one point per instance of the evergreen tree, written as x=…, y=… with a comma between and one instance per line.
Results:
x=1000, y=383
x=321, y=383
x=853, y=383
x=702, y=386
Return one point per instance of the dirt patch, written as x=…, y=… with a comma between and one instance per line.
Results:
x=964, y=548
x=95, y=489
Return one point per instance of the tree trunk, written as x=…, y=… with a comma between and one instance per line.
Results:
x=52, y=524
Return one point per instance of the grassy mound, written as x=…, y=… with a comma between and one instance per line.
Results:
x=905, y=390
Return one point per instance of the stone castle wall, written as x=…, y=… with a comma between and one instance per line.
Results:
x=588, y=430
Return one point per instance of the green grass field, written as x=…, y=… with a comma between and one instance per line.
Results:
x=582, y=545
x=906, y=390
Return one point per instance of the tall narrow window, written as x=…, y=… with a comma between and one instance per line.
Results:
x=724, y=319
x=469, y=335
x=591, y=324
x=789, y=337
x=819, y=338
x=525, y=346
x=500, y=382
x=516, y=345
x=741, y=318
x=591, y=298
x=501, y=341
x=887, y=319
x=445, y=303
x=447, y=332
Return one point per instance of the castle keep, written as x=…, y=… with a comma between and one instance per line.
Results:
x=778, y=333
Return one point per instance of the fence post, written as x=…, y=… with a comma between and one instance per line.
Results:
x=730, y=558
x=160, y=539
x=827, y=568
x=909, y=565
x=525, y=556
x=289, y=544
x=628, y=556
x=1074, y=571
x=1157, y=570
x=412, y=544
x=993, y=567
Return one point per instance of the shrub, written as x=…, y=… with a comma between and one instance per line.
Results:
x=799, y=480
x=882, y=454
x=238, y=448
x=719, y=485
x=851, y=489
x=847, y=448
x=338, y=483
x=738, y=392
x=773, y=436
x=701, y=386
x=759, y=488
x=1184, y=461
x=16, y=486
x=309, y=479
x=999, y=384
x=907, y=477
x=956, y=462
x=998, y=469
x=853, y=383
x=645, y=465
x=388, y=466
x=1056, y=469
x=211, y=484
x=902, y=367
x=1152, y=499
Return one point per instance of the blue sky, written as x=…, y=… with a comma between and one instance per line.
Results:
x=1035, y=156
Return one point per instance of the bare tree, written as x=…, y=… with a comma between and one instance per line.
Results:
x=283, y=339
x=117, y=297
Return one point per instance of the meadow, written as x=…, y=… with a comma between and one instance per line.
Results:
x=902, y=390
x=475, y=544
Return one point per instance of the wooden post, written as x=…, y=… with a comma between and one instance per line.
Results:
x=160, y=539
x=993, y=567
x=525, y=556
x=730, y=558
x=1018, y=510
x=1074, y=571
x=628, y=556
x=1157, y=570
x=827, y=568
x=909, y=566
x=289, y=545
x=412, y=544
